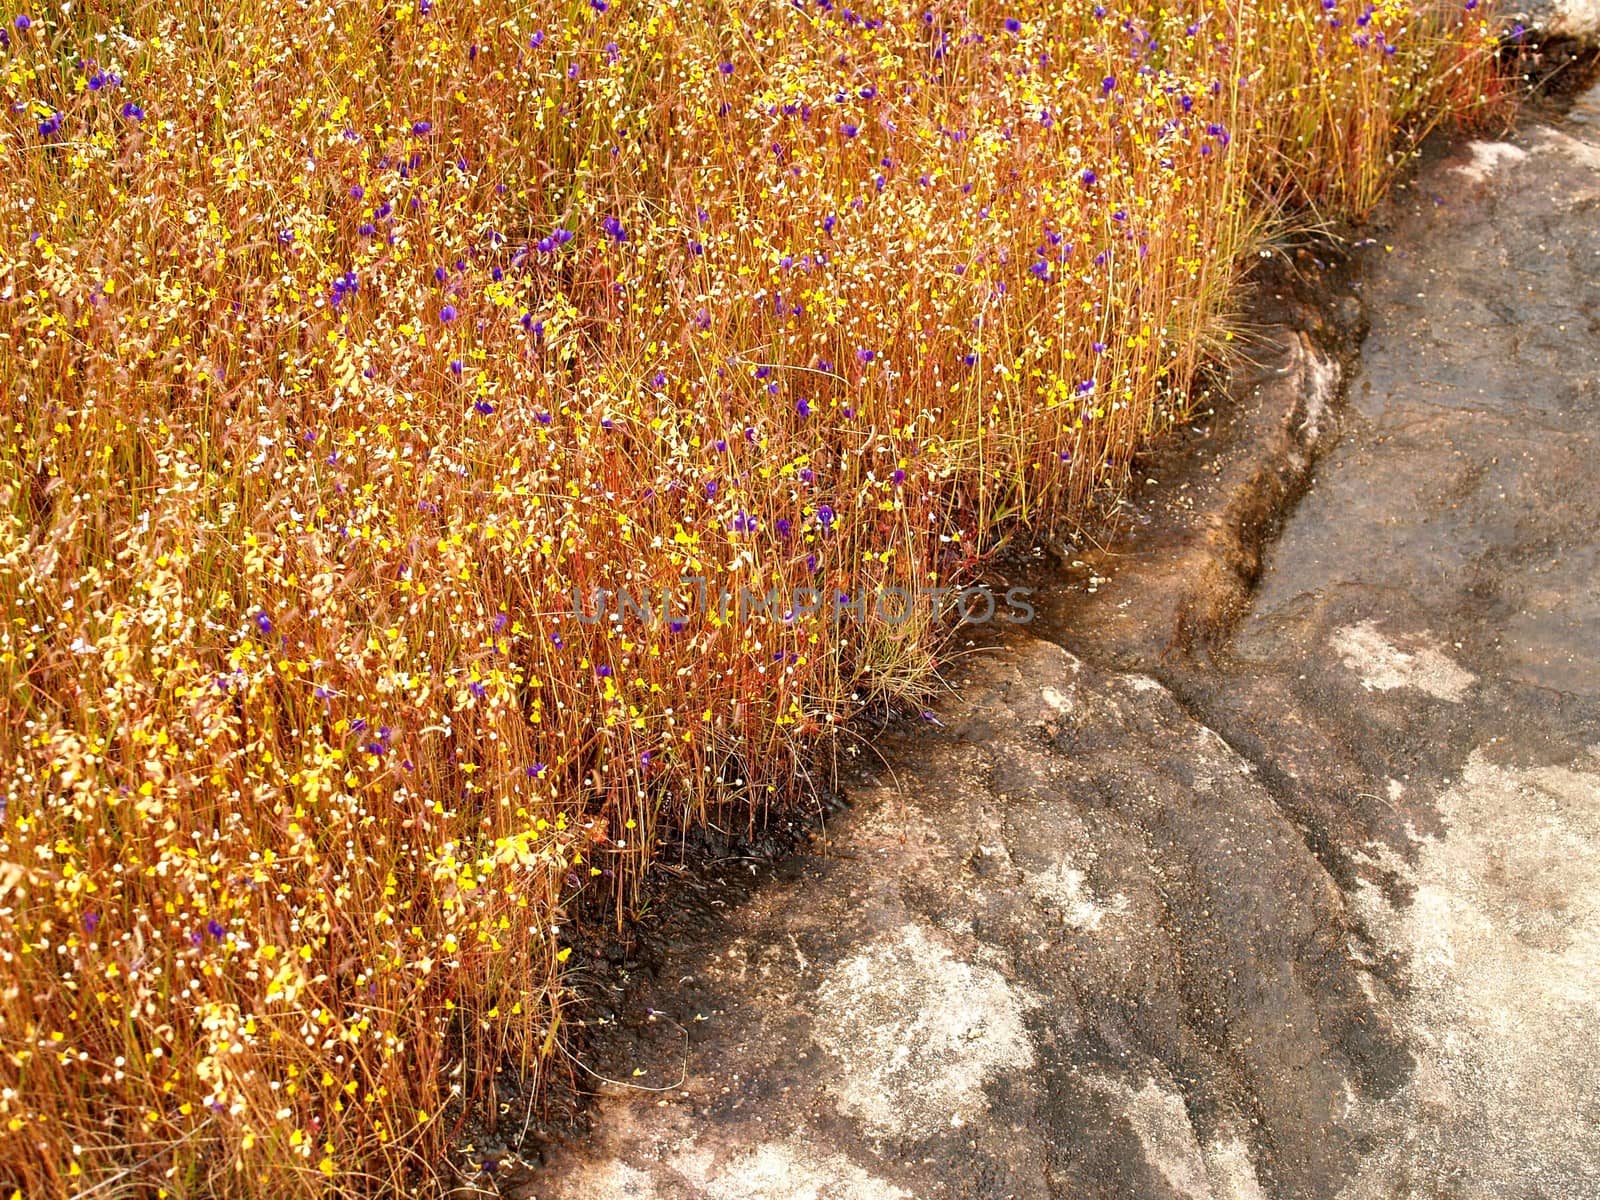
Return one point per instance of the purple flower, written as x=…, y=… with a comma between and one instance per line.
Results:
x=1089, y=178
x=50, y=126
x=346, y=285
x=483, y=408
x=357, y=191
x=849, y=130
x=133, y=112
x=447, y=313
x=866, y=355
x=1108, y=85
x=91, y=921
x=726, y=68
x=421, y=128
x=603, y=671
x=803, y=407
x=215, y=929
x=825, y=516
x=1013, y=25
x=23, y=22
x=263, y=623
x=613, y=229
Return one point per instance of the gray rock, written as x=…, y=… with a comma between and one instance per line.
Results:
x=1576, y=19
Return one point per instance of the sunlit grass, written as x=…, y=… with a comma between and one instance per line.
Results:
x=339, y=345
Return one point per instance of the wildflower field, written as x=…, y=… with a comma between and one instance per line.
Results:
x=345, y=349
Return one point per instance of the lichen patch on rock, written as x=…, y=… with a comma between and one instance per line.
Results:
x=1488, y=157
x=1384, y=666
x=918, y=1031
x=1502, y=947
x=779, y=1171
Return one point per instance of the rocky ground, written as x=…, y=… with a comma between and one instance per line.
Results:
x=1266, y=863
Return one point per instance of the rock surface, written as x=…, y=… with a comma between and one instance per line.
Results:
x=1259, y=866
x=1578, y=20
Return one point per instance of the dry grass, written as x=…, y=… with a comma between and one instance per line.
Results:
x=340, y=344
